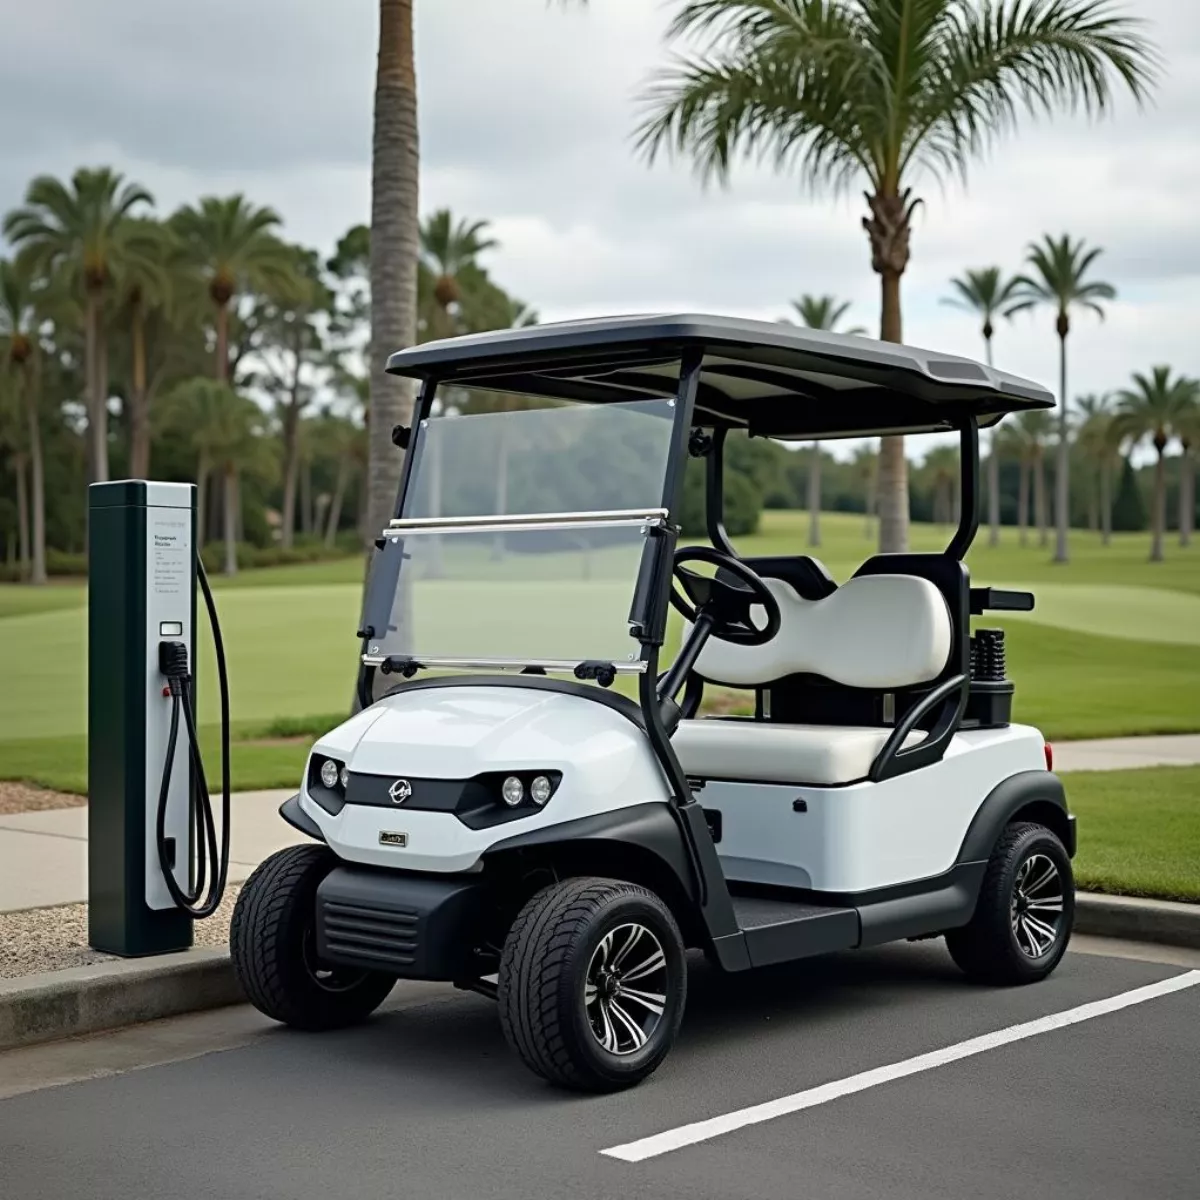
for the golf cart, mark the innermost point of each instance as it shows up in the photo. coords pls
(529, 803)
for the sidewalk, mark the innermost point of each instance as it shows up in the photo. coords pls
(43, 855)
(1119, 754)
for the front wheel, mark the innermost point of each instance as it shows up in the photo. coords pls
(1026, 908)
(592, 984)
(272, 942)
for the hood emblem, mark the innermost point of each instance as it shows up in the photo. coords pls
(400, 791)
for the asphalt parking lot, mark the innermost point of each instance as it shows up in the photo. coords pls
(427, 1101)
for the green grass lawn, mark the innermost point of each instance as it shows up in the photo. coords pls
(1139, 831)
(1112, 648)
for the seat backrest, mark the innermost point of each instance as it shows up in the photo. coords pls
(876, 631)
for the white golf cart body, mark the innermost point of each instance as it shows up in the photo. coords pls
(529, 567)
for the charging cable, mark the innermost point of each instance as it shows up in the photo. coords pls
(203, 897)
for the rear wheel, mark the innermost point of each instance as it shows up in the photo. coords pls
(593, 984)
(272, 941)
(1026, 908)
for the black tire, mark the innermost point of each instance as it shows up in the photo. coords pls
(997, 946)
(553, 961)
(273, 947)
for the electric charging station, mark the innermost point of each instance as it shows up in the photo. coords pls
(154, 861)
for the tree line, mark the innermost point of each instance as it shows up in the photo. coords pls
(199, 345)
(1093, 439)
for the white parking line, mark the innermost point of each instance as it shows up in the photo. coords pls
(703, 1131)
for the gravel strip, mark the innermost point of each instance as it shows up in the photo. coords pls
(24, 797)
(33, 940)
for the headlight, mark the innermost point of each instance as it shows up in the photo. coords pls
(331, 772)
(540, 790)
(513, 791)
(344, 778)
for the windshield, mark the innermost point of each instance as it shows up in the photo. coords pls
(546, 596)
(568, 458)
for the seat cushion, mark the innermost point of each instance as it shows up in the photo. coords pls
(765, 751)
(875, 631)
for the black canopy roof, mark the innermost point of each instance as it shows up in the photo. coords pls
(775, 380)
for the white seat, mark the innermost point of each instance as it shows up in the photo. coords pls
(762, 751)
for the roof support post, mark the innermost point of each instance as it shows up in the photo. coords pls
(968, 518)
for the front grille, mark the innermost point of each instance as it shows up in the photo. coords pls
(369, 937)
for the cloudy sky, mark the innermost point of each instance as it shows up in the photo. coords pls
(526, 113)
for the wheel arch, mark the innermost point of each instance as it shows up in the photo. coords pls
(641, 844)
(1036, 796)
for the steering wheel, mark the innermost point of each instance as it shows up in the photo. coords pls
(726, 603)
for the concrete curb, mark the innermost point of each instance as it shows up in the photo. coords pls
(1136, 920)
(109, 995)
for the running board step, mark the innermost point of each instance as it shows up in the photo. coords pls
(781, 930)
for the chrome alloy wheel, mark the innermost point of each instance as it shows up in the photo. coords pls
(625, 990)
(1036, 909)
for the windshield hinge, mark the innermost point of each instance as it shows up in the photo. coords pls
(400, 664)
(604, 673)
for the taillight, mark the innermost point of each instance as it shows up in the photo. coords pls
(1049, 757)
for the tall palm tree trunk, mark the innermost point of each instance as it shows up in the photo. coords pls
(1039, 497)
(1158, 519)
(814, 495)
(1062, 468)
(893, 466)
(1023, 503)
(394, 249)
(19, 462)
(229, 517)
(139, 408)
(334, 517)
(37, 486)
(888, 231)
(96, 370)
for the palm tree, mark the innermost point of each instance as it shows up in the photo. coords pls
(866, 464)
(883, 91)
(1027, 435)
(19, 356)
(941, 465)
(988, 295)
(448, 248)
(80, 231)
(1095, 439)
(12, 439)
(394, 251)
(232, 244)
(145, 280)
(1187, 426)
(1154, 406)
(819, 312)
(1060, 267)
(395, 239)
(294, 330)
(346, 441)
